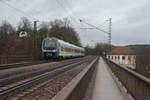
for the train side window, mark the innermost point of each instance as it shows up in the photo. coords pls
(66, 49)
(76, 51)
(69, 49)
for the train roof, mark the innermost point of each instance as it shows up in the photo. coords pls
(65, 43)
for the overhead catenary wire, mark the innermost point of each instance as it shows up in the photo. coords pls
(27, 15)
(18, 10)
(68, 4)
(62, 6)
(99, 26)
(29, 7)
(94, 27)
(73, 14)
(102, 24)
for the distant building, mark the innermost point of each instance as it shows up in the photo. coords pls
(23, 34)
(122, 55)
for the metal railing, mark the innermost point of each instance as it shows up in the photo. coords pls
(13, 59)
(137, 85)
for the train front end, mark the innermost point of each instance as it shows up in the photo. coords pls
(49, 48)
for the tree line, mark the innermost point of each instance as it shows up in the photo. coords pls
(100, 49)
(12, 44)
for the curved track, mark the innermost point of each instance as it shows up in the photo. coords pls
(40, 76)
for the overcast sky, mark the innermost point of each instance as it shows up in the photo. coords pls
(130, 18)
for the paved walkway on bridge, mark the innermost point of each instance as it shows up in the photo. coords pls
(105, 87)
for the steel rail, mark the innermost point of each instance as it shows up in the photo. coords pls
(25, 64)
(23, 76)
(5, 93)
(18, 65)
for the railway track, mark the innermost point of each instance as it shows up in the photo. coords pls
(18, 77)
(15, 84)
(25, 64)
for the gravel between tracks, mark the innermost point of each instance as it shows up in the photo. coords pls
(15, 71)
(48, 89)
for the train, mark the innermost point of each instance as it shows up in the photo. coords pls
(54, 48)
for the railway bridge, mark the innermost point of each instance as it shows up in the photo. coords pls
(87, 78)
(110, 81)
(130, 84)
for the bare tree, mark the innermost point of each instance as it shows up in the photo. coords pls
(61, 29)
(7, 35)
(27, 42)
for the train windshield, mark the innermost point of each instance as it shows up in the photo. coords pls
(49, 44)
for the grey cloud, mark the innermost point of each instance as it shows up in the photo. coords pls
(130, 18)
